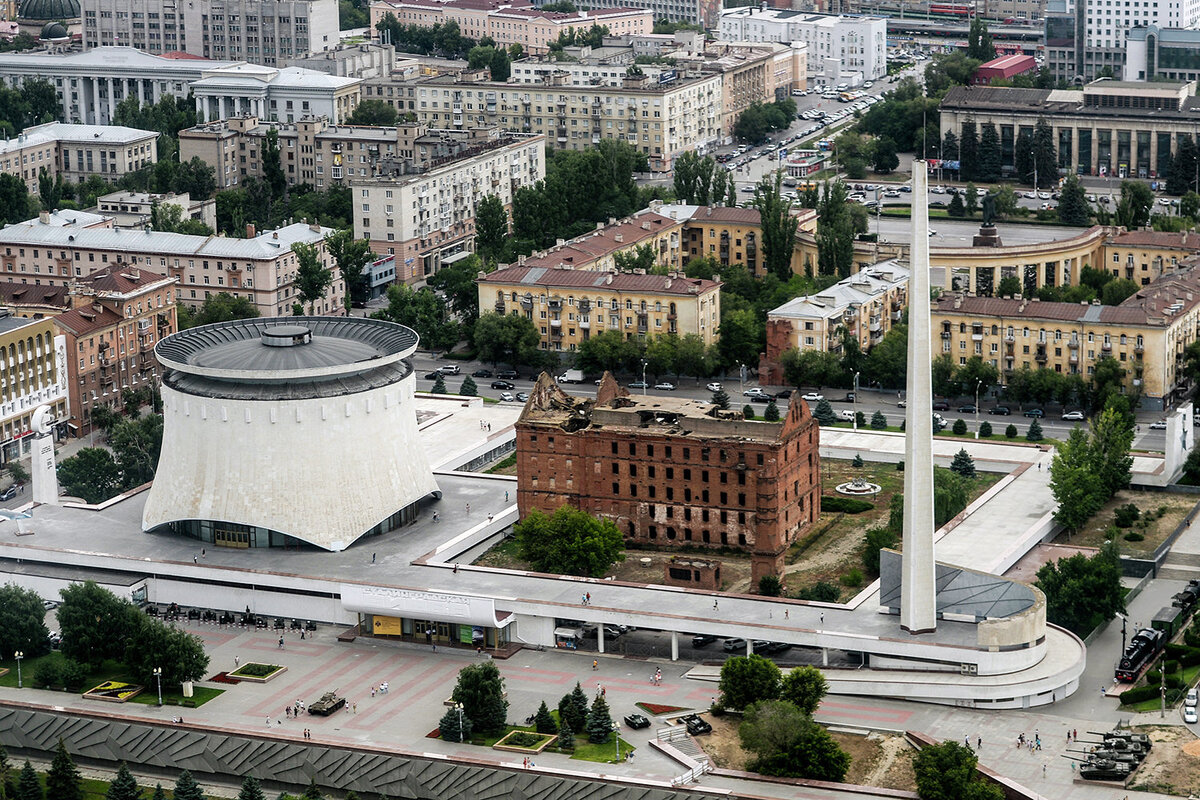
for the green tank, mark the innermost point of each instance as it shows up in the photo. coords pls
(329, 703)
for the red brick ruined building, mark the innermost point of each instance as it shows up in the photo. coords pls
(672, 472)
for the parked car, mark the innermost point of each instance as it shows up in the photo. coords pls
(762, 646)
(695, 725)
(734, 644)
(10, 492)
(665, 386)
(1189, 715)
(783, 394)
(1191, 698)
(507, 397)
(755, 391)
(637, 721)
(49, 605)
(481, 373)
(522, 397)
(715, 386)
(508, 374)
(967, 409)
(502, 385)
(1160, 425)
(703, 640)
(941, 405)
(449, 369)
(1000, 411)
(1074, 416)
(637, 384)
(902, 404)
(1035, 412)
(812, 397)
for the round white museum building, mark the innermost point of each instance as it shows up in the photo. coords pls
(282, 432)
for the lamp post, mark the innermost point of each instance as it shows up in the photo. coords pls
(978, 383)
(458, 708)
(643, 377)
(854, 401)
(158, 679)
(18, 655)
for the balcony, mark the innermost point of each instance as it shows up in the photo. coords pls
(1106, 347)
(946, 334)
(526, 302)
(1073, 357)
(1010, 338)
(585, 306)
(585, 324)
(1073, 344)
(556, 323)
(1041, 357)
(895, 316)
(1139, 348)
(500, 306)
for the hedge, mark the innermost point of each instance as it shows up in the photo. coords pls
(847, 505)
(1131, 696)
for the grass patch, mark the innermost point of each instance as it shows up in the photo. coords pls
(1154, 531)
(255, 670)
(506, 466)
(600, 753)
(109, 671)
(200, 696)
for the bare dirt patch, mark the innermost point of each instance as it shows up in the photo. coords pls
(1173, 765)
(1174, 507)
(877, 759)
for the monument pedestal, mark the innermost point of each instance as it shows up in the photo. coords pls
(988, 236)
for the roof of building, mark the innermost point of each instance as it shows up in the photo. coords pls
(1156, 305)
(267, 245)
(30, 294)
(1009, 62)
(53, 31)
(568, 278)
(69, 218)
(253, 75)
(68, 133)
(48, 9)
(121, 280)
(88, 319)
(591, 247)
(11, 323)
(861, 287)
(105, 60)
(1163, 240)
(1049, 102)
(716, 214)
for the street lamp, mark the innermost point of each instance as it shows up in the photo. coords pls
(854, 401)
(978, 383)
(18, 655)
(158, 678)
(643, 377)
(458, 707)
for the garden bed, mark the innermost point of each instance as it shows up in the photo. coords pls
(114, 692)
(255, 672)
(527, 742)
(659, 710)
(1153, 531)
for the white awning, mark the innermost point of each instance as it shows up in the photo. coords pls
(566, 633)
(414, 604)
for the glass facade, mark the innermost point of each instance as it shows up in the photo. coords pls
(432, 631)
(232, 534)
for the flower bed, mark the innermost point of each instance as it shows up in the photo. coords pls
(525, 742)
(113, 692)
(254, 672)
(658, 710)
(223, 677)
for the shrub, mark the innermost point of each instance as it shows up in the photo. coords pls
(1133, 536)
(1138, 694)
(73, 675)
(1171, 666)
(1126, 515)
(1010, 432)
(853, 579)
(900, 465)
(523, 739)
(769, 586)
(48, 674)
(985, 429)
(877, 539)
(846, 505)
(469, 389)
(878, 421)
(1035, 431)
(771, 412)
(860, 419)
(821, 592)
(857, 461)
(256, 670)
(959, 428)
(748, 411)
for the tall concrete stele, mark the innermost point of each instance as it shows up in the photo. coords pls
(918, 604)
(45, 475)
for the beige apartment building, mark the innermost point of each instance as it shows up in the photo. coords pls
(33, 372)
(261, 268)
(509, 23)
(76, 152)
(570, 305)
(268, 32)
(1147, 334)
(118, 314)
(662, 119)
(420, 205)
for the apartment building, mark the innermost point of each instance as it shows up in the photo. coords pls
(133, 209)
(33, 373)
(865, 306)
(76, 152)
(1144, 256)
(420, 206)
(570, 305)
(261, 268)
(672, 472)
(663, 118)
(118, 314)
(1147, 334)
(33, 302)
(360, 60)
(509, 23)
(704, 13)
(268, 32)
(855, 43)
(731, 235)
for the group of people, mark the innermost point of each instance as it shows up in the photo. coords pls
(656, 678)
(1032, 744)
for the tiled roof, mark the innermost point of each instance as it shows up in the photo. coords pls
(121, 281)
(28, 294)
(593, 246)
(1160, 239)
(591, 279)
(87, 319)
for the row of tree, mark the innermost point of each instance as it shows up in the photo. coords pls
(1093, 465)
(760, 119)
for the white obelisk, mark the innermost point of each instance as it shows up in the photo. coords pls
(918, 608)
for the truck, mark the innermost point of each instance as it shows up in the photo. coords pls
(571, 376)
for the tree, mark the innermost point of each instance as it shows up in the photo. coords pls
(573, 708)
(159, 792)
(570, 542)
(508, 338)
(777, 226)
(351, 256)
(424, 311)
(1076, 486)
(29, 786)
(272, 165)
(313, 278)
(1073, 206)
(791, 745)
(373, 112)
(971, 200)
(543, 722)
(824, 413)
(963, 464)
(947, 772)
(480, 689)
(1181, 177)
(1133, 209)
(1045, 156)
(884, 158)
(877, 539)
(599, 721)
(990, 158)
(878, 421)
(748, 679)
(63, 781)
(196, 179)
(491, 227)
(50, 189)
(22, 622)
(771, 412)
(186, 787)
(15, 203)
(439, 385)
(455, 725)
(638, 258)
(566, 737)
(1010, 432)
(985, 429)
(959, 428)
(1035, 432)
(1081, 592)
(468, 389)
(720, 399)
(1189, 206)
(95, 623)
(91, 474)
(251, 790)
(1009, 286)
(136, 445)
(979, 41)
(956, 207)
(968, 148)
(123, 786)
(835, 231)
(499, 65)
(155, 645)
(770, 586)
(771, 727)
(1117, 291)
(804, 687)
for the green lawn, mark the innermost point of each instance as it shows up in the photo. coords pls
(109, 671)
(584, 750)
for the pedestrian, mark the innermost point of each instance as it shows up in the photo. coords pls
(714, 605)
(280, 642)
(202, 552)
(490, 515)
(195, 560)
(1075, 734)
(436, 516)
(372, 558)
(301, 635)
(237, 661)
(595, 665)
(589, 598)
(355, 708)
(785, 613)
(506, 495)
(455, 568)
(468, 508)
(1043, 770)
(603, 691)
(583, 600)
(287, 711)
(268, 722)
(979, 743)
(1039, 466)
(372, 691)
(967, 742)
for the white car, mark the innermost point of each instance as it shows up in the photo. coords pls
(665, 386)
(1189, 715)
(755, 391)
(812, 397)
(846, 415)
(1190, 700)
(1043, 195)
(1074, 416)
(715, 386)
(1030, 195)
(1161, 425)
(507, 397)
(932, 232)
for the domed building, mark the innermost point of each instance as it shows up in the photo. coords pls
(282, 432)
(54, 32)
(34, 16)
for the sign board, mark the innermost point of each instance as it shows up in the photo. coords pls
(667, 76)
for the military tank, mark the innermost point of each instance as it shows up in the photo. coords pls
(1104, 770)
(327, 704)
